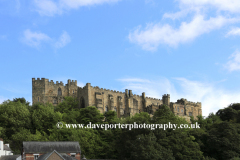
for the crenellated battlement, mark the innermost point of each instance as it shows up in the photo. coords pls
(166, 95)
(47, 91)
(150, 98)
(47, 82)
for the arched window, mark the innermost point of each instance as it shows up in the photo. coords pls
(59, 91)
(115, 109)
(106, 108)
(82, 102)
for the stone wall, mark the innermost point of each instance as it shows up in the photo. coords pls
(124, 103)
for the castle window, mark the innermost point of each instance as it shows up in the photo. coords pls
(38, 99)
(182, 110)
(192, 109)
(59, 91)
(106, 108)
(73, 91)
(190, 113)
(175, 108)
(54, 101)
(115, 109)
(178, 109)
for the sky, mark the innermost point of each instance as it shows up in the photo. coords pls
(186, 48)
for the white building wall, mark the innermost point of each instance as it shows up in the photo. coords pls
(3, 152)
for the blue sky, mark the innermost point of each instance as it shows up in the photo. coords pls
(186, 48)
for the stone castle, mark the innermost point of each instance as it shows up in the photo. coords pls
(124, 103)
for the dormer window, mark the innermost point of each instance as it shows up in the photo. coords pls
(36, 156)
(73, 154)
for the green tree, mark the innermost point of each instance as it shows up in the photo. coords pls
(223, 141)
(181, 143)
(14, 115)
(111, 117)
(25, 135)
(90, 114)
(22, 100)
(69, 104)
(145, 147)
(43, 117)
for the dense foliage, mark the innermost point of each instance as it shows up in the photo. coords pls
(218, 137)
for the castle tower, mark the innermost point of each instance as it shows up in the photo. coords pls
(38, 90)
(166, 99)
(44, 91)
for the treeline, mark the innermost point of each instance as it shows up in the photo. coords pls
(217, 139)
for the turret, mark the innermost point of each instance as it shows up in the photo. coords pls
(126, 93)
(166, 99)
(130, 93)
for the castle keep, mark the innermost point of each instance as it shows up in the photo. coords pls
(124, 103)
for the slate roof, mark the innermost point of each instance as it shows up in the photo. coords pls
(64, 156)
(45, 156)
(67, 157)
(6, 148)
(10, 157)
(45, 147)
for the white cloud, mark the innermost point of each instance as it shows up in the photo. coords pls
(155, 34)
(63, 40)
(51, 8)
(232, 6)
(234, 63)
(47, 7)
(161, 33)
(212, 97)
(34, 38)
(152, 88)
(234, 31)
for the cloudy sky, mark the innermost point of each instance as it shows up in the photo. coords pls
(186, 48)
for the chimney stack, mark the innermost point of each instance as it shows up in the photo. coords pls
(1, 145)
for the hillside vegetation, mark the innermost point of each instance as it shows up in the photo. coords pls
(217, 138)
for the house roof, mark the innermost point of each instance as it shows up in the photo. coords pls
(64, 156)
(6, 148)
(45, 156)
(45, 147)
(10, 157)
(67, 157)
